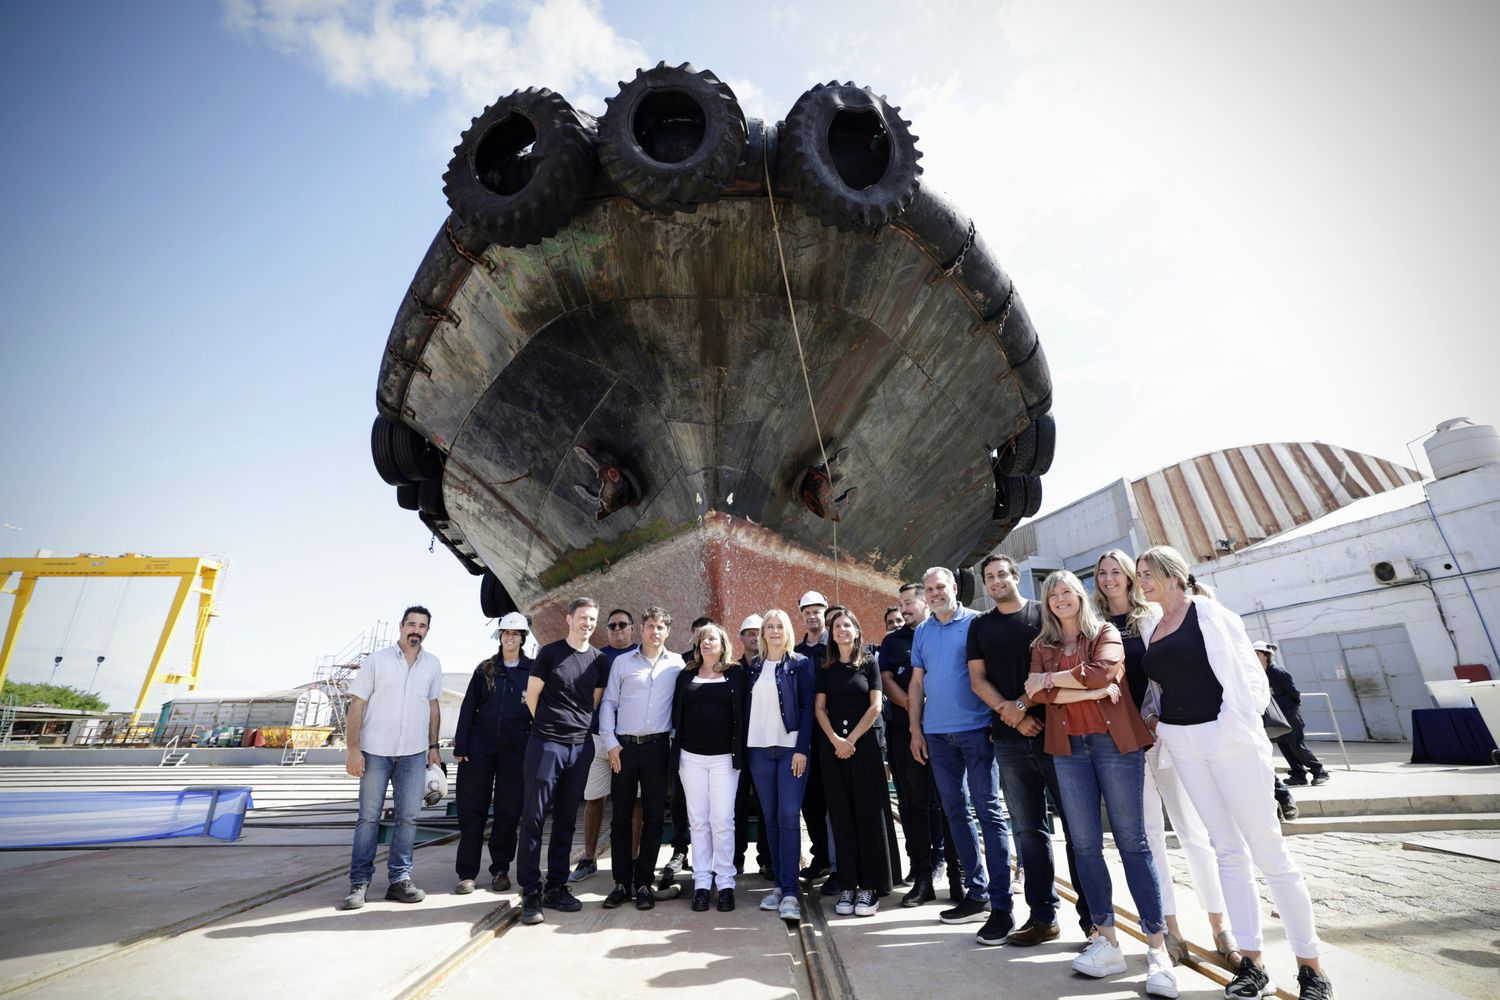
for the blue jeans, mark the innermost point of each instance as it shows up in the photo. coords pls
(1096, 768)
(971, 755)
(781, 804)
(407, 777)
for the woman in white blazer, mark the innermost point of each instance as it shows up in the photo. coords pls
(1213, 692)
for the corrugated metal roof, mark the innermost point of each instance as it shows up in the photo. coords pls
(1241, 496)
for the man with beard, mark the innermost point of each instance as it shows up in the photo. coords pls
(392, 734)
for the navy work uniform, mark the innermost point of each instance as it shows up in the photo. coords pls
(493, 726)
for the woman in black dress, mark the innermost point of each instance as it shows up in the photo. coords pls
(846, 706)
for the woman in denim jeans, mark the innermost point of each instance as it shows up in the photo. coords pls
(1099, 750)
(778, 735)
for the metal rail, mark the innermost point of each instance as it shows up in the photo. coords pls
(1335, 720)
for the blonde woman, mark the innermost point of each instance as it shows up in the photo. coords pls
(708, 716)
(1213, 691)
(1118, 599)
(778, 735)
(1098, 749)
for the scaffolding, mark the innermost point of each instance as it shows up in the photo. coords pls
(333, 672)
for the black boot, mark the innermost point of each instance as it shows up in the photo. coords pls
(921, 890)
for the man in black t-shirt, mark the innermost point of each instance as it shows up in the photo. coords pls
(565, 687)
(999, 655)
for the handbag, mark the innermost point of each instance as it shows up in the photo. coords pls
(1275, 721)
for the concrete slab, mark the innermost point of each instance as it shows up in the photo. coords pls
(1468, 847)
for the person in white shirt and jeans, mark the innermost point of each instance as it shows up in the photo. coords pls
(392, 734)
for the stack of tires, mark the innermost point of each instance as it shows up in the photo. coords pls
(409, 462)
(1019, 467)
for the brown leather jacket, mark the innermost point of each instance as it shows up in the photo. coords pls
(1102, 663)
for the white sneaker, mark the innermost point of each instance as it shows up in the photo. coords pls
(791, 909)
(1161, 981)
(771, 900)
(1100, 959)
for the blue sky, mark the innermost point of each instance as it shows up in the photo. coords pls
(1229, 224)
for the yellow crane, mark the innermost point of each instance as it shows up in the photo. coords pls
(197, 576)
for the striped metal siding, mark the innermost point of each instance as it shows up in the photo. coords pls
(1251, 493)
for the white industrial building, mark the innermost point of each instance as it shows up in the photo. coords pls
(1371, 582)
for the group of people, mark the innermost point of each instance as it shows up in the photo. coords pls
(1143, 698)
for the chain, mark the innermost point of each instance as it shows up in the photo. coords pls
(458, 248)
(963, 252)
(435, 312)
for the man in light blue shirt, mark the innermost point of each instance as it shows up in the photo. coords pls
(950, 731)
(635, 726)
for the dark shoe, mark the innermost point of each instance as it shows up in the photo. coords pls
(356, 897)
(726, 900)
(866, 902)
(1296, 779)
(920, 893)
(765, 872)
(464, 887)
(1250, 982)
(1311, 986)
(1032, 932)
(996, 929)
(531, 908)
(405, 892)
(645, 899)
(966, 912)
(815, 870)
(701, 898)
(1288, 810)
(956, 892)
(1322, 778)
(830, 886)
(586, 868)
(617, 896)
(560, 897)
(845, 906)
(501, 883)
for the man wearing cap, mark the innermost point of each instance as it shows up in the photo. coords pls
(618, 628)
(635, 723)
(814, 646)
(565, 687)
(489, 744)
(746, 802)
(392, 734)
(1293, 745)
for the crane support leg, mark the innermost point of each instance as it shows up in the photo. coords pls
(22, 595)
(184, 588)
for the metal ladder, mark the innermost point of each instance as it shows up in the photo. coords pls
(8, 718)
(334, 672)
(171, 757)
(292, 756)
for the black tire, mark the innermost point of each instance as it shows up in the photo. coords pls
(408, 497)
(1031, 453)
(494, 600)
(848, 156)
(418, 460)
(1018, 497)
(519, 172)
(968, 583)
(430, 499)
(382, 453)
(672, 138)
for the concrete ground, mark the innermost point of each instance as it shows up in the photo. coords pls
(200, 918)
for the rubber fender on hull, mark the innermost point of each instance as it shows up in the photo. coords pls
(494, 600)
(383, 453)
(519, 172)
(1030, 452)
(849, 157)
(672, 138)
(1017, 497)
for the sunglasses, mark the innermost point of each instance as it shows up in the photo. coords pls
(617, 626)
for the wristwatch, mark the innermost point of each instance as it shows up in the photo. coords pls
(1021, 703)
(432, 746)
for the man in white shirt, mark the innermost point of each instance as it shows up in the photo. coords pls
(392, 735)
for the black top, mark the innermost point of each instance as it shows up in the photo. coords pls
(570, 678)
(1135, 651)
(1003, 642)
(494, 714)
(848, 693)
(737, 683)
(1190, 693)
(814, 651)
(895, 659)
(707, 718)
(1284, 690)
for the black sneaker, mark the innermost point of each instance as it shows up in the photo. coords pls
(701, 900)
(1288, 810)
(501, 883)
(726, 900)
(997, 928)
(1296, 779)
(678, 863)
(967, 911)
(816, 870)
(1250, 982)
(356, 897)
(920, 893)
(586, 868)
(531, 908)
(617, 896)
(957, 892)
(1311, 986)
(559, 897)
(830, 886)
(645, 899)
(1322, 778)
(404, 892)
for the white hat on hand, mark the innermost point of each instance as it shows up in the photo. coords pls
(812, 597)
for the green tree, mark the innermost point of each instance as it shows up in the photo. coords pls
(54, 695)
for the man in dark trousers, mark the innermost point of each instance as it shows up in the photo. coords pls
(1293, 745)
(999, 660)
(814, 646)
(565, 687)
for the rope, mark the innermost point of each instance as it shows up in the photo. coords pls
(786, 282)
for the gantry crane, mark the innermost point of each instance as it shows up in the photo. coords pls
(198, 576)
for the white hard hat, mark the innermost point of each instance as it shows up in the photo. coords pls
(436, 789)
(812, 597)
(513, 622)
(752, 622)
(1261, 646)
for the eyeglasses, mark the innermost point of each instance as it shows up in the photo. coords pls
(617, 626)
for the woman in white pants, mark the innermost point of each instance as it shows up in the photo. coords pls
(709, 716)
(1213, 692)
(1119, 600)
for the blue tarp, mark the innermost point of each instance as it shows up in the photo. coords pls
(71, 819)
